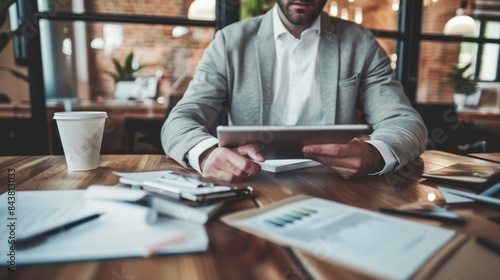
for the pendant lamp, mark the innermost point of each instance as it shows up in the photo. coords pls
(460, 24)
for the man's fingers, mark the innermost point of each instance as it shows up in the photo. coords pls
(335, 150)
(251, 151)
(346, 162)
(228, 165)
(352, 148)
(346, 173)
(243, 166)
(229, 177)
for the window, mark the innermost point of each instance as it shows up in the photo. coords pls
(80, 39)
(480, 47)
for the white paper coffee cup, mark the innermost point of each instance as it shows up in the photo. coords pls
(81, 137)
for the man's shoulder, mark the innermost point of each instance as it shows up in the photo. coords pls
(349, 32)
(243, 28)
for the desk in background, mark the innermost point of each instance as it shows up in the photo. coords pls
(489, 115)
(234, 254)
(485, 119)
(115, 134)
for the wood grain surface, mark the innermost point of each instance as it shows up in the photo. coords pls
(233, 254)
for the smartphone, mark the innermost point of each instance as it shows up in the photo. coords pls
(200, 194)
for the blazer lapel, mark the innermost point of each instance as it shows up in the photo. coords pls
(329, 52)
(265, 54)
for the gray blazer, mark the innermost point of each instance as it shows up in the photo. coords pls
(236, 73)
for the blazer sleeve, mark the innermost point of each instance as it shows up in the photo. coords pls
(387, 109)
(200, 105)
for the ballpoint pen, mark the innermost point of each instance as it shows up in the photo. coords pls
(442, 216)
(488, 244)
(36, 239)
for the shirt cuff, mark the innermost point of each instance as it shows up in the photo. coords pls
(194, 154)
(387, 155)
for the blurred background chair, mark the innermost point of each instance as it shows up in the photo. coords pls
(144, 135)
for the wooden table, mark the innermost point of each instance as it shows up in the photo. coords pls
(234, 254)
(488, 115)
(495, 157)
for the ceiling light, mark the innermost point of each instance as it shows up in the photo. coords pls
(179, 31)
(460, 24)
(202, 10)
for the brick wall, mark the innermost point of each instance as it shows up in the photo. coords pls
(152, 45)
(436, 57)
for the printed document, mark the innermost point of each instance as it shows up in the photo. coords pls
(377, 244)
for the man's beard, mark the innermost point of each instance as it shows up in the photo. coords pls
(304, 18)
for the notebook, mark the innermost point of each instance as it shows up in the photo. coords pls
(472, 175)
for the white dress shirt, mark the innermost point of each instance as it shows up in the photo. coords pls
(296, 88)
(296, 76)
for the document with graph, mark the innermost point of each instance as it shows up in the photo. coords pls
(369, 242)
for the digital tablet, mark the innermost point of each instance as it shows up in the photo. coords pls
(286, 142)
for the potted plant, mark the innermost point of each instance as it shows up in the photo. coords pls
(464, 85)
(124, 76)
(5, 37)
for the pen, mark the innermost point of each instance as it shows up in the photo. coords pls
(36, 239)
(488, 244)
(426, 215)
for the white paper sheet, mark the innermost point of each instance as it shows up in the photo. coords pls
(385, 246)
(282, 165)
(120, 232)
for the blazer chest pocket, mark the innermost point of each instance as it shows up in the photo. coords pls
(350, 82)
(348, 90)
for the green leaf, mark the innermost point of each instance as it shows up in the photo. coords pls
(124, 72)
(119, 69)
(459, 82)
(128, 69)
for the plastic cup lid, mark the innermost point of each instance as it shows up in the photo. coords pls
(80, 115)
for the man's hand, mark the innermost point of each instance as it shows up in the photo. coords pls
(231, 165)
(351, 160)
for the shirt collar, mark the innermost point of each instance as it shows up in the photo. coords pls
(279, 27)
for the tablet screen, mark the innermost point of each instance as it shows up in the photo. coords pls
(286, 142)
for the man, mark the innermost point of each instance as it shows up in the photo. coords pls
(294, 65)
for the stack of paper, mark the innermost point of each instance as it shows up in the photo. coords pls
(122, 231)
(282, 165)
